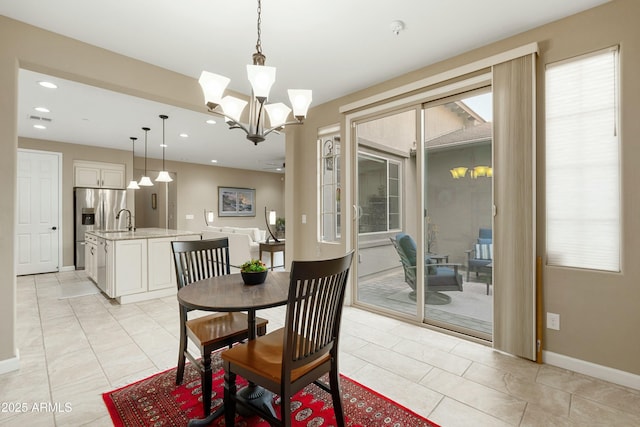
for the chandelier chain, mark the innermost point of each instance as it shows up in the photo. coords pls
(259, 42)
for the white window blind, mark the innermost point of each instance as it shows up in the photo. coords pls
(583, 163)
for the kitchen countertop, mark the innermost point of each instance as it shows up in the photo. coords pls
(140, 233)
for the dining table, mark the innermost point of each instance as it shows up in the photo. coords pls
(228, 293)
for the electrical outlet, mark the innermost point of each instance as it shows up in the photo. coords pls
(304, 218)
(553, 321)
(189, 216)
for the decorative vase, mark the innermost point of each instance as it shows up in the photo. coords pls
(254, 277)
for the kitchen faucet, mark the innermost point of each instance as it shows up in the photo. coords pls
(129, 226)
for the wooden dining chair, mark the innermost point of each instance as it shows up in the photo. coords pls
(197, 260)
(290, 358)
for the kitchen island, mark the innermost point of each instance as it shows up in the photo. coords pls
(132, 266)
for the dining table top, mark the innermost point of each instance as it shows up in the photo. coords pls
(229, 293)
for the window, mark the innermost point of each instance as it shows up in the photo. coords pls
(379, 196)
(583, 162)
(329, 146)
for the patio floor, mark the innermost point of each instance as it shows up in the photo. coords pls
(472, 308)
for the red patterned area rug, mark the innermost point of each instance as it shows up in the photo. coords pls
(157, 401)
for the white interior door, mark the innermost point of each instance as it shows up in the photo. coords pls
(38, 211)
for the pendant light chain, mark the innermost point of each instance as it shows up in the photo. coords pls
(145, 181)
(163, 117)
(133, 150)
(145, 149)
(259, 42)
(133, 184)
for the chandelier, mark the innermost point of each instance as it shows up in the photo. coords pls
(261, 78)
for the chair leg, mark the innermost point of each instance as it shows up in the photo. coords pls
(181, 357)
(468, 270)
(230, 390)
(205, 380)
(285, 409)
(334, 382)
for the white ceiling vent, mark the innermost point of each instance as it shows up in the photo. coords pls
(40, 119)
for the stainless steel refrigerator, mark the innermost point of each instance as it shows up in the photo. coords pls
(96, 209)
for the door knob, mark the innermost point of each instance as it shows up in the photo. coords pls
(54, 228)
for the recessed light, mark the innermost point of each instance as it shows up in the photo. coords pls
(211, 122)
(39, 126)
(214, 161)
(184, 135)
(48, 85)
(42, 109)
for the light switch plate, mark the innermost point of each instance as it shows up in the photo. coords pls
(189, 216)
(553, 321)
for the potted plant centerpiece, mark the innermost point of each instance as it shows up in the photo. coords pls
(254, 272)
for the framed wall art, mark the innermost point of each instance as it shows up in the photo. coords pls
(234, 201)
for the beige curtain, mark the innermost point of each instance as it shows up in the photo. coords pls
(514, 199)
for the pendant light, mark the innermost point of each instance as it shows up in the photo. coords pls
(163, 176)
(133, 184)
(145, 181)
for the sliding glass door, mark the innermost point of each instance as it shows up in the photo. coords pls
(458, 225)
(386, 177)
(430, 202)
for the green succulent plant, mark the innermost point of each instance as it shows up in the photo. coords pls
(253, 266)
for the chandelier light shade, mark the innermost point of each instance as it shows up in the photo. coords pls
(163, 176)
(145, 181)
(133, 184)
(213, 86)
(458, 172)
(262, 79)
(474, 173)
(481, 170)
(277, 113)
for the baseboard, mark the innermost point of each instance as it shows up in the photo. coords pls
(68, 268)
(143, 296)
(9, 365)
(615, 376)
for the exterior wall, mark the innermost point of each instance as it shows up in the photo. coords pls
(599, 311)
(440, 120)
(458, 207)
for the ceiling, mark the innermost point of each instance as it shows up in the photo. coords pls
(333, 47)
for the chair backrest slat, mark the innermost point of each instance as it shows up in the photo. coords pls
(316, 295)
(200, 259)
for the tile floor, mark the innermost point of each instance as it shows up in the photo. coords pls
(72, 350)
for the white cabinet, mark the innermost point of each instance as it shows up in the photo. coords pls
(109, 266)
(162, 270)
(129, 262)
(134, 266)
(98, 174)
(91, 257)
